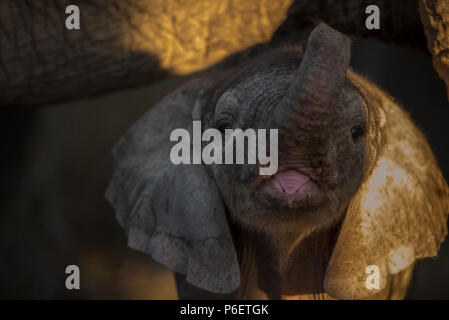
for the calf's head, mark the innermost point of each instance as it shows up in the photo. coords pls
(322, 123)
(346, 152)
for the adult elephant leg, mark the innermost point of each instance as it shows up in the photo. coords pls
(435, 18)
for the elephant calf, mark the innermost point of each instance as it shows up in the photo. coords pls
(357, 186)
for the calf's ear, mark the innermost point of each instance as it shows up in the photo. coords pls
(173, 212)
(399, 213)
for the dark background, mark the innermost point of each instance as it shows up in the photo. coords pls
(56, 164)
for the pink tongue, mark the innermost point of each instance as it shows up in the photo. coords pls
(291, 180)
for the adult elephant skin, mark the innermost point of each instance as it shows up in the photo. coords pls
(126, 43)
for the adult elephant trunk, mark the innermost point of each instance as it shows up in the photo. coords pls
(123, 44)
(304, 114)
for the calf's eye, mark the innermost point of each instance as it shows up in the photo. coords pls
(357, 132)
(223, 125)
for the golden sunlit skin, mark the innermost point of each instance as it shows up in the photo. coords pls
(402, 207)
(435, 18)
(130, 42)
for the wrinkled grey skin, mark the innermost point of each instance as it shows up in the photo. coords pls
(224, 227)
